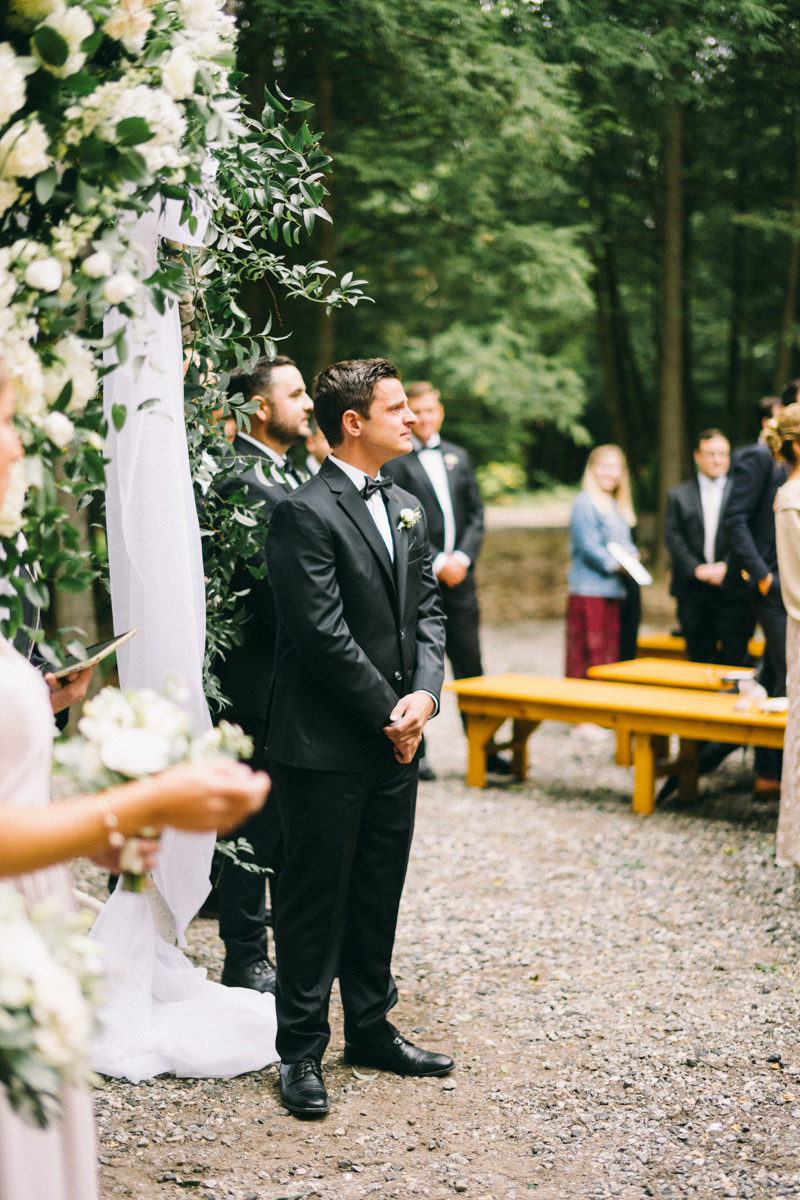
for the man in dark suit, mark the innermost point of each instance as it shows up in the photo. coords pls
(358, 671)
(440, 474)
(266, 474)
(750, 526)
(713, 604)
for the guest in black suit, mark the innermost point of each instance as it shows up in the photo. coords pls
(266, 474)
(440, 475)
(358, 671)
(750, 526)
(713, 604)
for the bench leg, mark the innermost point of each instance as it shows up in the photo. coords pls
(521, 732)
(644, 773)
(687, 772)
(480, 731)
(624, 756)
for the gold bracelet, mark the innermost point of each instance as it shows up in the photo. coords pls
(110, 822)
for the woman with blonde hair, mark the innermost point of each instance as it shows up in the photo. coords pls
(782, 435)
(602, 513)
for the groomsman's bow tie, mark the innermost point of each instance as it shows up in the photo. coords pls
(371, 486)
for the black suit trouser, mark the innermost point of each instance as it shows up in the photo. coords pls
(242, 894)
(711, 616)
(347, 837)
(462, 640)
(771, 615)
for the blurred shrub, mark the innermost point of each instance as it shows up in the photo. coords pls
(498, 480)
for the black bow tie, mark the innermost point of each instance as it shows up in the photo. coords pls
(371, 486)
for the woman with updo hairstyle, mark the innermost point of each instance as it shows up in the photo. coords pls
(782, 435)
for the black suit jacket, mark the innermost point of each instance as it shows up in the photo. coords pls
(749, 521)
(355, 632)
(684, 536)
(466, 499)
(246, 671)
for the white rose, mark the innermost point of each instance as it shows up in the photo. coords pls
(24, 368)
(135, 752)
(8, 194)
(178, 74)
(129, 23)
(120, 287)
(12, 83)
(59, 429)
(44, 274)
(199, 14)
(74, 361)
(23, 150)
(11, 518)
(97, 265)
(74, 24)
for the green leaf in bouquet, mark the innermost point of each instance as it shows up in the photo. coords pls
(36, 593)
(132, 131)
(118, 415)
(131, 165)
(51, 47)
(92, 43)
(46, 185)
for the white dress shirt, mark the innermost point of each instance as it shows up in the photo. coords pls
(711, 492)
(279, 460)
(312, 466)
(433, 464)
(375, 504)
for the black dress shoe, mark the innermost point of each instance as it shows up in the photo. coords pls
(497, 765)
(400, 1056)
(259, 976)
(426, 773)
(302, 1089)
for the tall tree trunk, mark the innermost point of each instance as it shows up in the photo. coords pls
(325, 237)
(672, 436)
(609, 356)
(75, 610)
(734, 334)
(784, 362)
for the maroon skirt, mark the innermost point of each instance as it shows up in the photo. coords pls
(592, 633)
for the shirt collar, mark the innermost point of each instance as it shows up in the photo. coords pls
(717, 484)
(433, 442)
(353, 474)
(273, 454)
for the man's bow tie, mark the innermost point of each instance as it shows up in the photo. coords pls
(371, 486)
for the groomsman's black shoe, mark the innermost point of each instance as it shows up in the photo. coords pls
(302, 1089)
(497, 765)
(426, 773)
(258, 976)
(400, 1056)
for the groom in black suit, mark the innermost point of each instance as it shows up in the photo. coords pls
(358, 671)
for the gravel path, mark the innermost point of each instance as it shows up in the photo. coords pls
(620, 994)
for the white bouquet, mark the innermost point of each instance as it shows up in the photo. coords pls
(130, 735)
(49, 983)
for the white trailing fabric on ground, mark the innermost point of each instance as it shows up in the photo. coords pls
(162, 1014)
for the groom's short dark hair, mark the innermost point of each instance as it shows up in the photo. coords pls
(258, 381)
(347, 385)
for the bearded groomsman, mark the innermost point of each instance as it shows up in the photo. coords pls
(358, 671)
(440, 474)
(265, 472)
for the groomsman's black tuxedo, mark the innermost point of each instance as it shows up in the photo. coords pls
(355, 633)
(246, 678)
(460, 603)
(709, 615)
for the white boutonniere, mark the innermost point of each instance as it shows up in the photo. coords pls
(450, 460)
(409, 517)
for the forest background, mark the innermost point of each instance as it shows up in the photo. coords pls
(580, 219)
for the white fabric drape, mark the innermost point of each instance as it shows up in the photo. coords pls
(161, 1014)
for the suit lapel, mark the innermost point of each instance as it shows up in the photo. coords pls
(357, 511)
(400, 538)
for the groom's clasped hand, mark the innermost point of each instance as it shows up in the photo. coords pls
(408, 719)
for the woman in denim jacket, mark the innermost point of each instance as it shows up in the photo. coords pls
(602, 513)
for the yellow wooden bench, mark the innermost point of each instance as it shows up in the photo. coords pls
(668, 645)
(667, 672)
(644, 714)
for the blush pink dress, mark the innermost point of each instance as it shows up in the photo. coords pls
(59, 1163)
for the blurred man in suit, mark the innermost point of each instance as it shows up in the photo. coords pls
(713, 604)
(750, 526)
(263, 469)
(317, 447)
(440, 475)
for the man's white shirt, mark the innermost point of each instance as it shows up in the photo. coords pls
(278, 459)
(711, 493)
(375, 504)
(433, 464)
